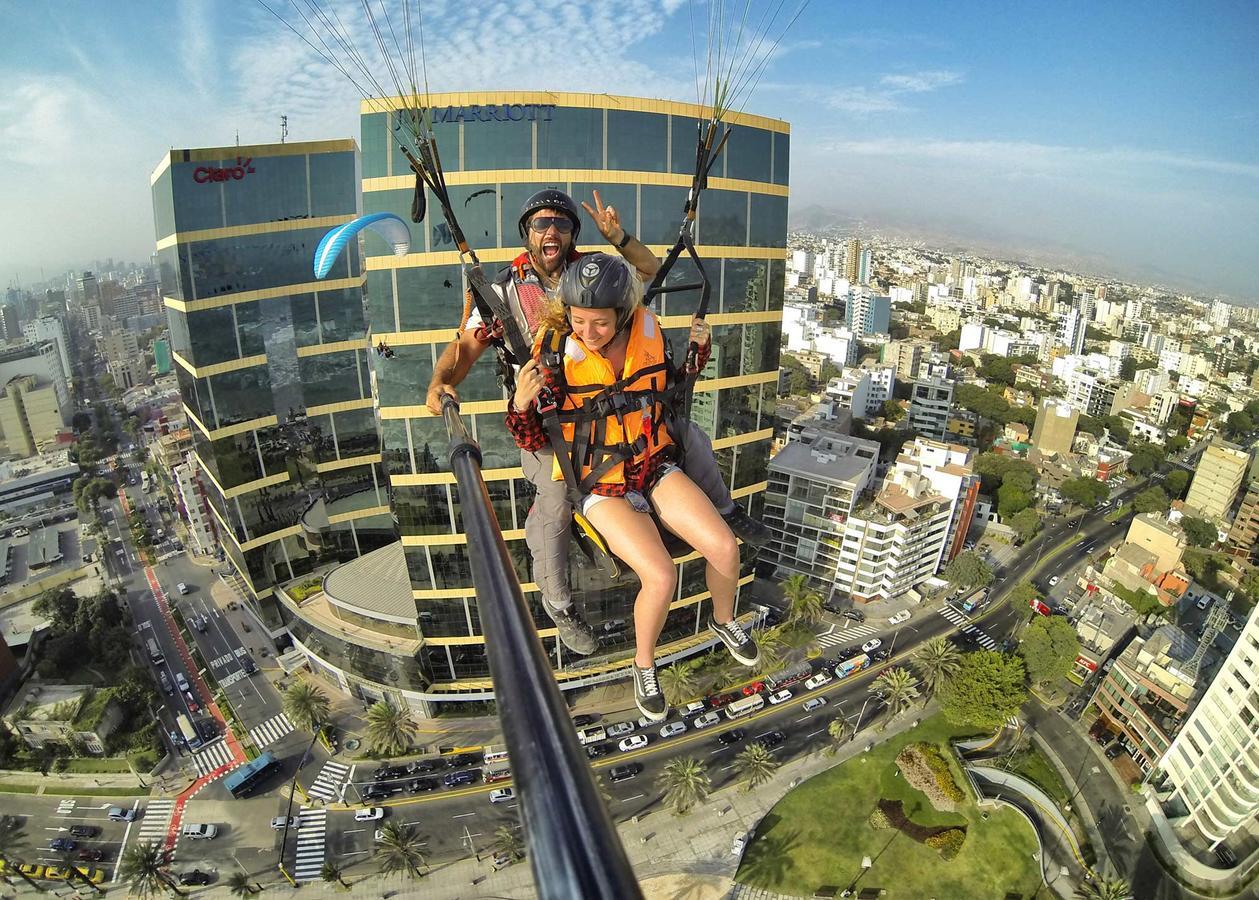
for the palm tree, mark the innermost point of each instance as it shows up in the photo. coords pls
(899, 688)
(755, 763)
(773, 649)
(306, 705)
(390, 730)
(937, 660)
(806, 609)
(836, 730)
(794, 587)
(507, 840)
(331, 873)
(141, 866)
(1099, 887)
(398, 850)
(685, 783)
(12, 841)
(678, 682)
(238, 884)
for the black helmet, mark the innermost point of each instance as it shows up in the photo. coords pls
(550, 199)
(600, 281)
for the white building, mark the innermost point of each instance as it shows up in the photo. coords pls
(48, 328)
(1071, 331)
(195, 505)
(930, 405)
(851, 391)
(1212, 767)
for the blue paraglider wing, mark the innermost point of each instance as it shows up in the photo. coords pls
(387, 225)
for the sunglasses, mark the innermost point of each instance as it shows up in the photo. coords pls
(563, 224)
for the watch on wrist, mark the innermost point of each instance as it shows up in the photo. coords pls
(626, 237)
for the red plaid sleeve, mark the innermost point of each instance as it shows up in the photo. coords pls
(526, 425)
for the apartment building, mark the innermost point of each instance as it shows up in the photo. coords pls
(1054, 430)
(1217, 480)
(930, 405)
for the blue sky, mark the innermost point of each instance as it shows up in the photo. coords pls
(1119, 137)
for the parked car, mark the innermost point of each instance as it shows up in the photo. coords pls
(672, 729)
(731, 737)
(694, 708)
(779, 697)
(387, 773)
(91, 854)
(855, 615)
(716, 701)
(872, 644)
(633, 742)
(1053, 579)
(420, 785)
(620, 729)
(459, 779)
(460, 760)
(902, 616)
(196, 876)
(624, 772)
(376, 792)
(706, 720)
(502, 795)
(63, 844)
(585, 719)
(120, 814)
(370, 814)
(422, 767)
(594, 751)
(279, 823)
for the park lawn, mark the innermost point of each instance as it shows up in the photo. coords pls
(818, 833)
(89, 765)
(1033, 766)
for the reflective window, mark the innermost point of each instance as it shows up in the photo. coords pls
(747, 153)
(637, 141)
(305, 319)
(417, 569)
(723, 217)
(498, 145)
(393, 447)
(624, 197)
(777, 279)
(331, 377)
(179, 339)
(274, 192)
(744, 286)
(752, 466)
(760, 347)
(341, 315)
(572, 139)
(259, 261)
(241, 396)
(782, 157)
(236, 460)
(422, 509)
(727, 351)
(361, 661)
(397, 202)
(446, 135)
(429, 297)
(249, 324)
(476, 207)
(198, 205)
(768, 221)
(402, 380)
(356, 432)
(375, 138)
(443, 617)
(738, 410)
(501, 500)
(684, 271)
(660, 213)
(498, 449)
(334, 184)
(163, 205)
(213, 336)
(682, 154)
(430, 440)
(450, 566)
(379, 291)
(169, 266)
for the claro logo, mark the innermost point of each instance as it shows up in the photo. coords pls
(206, 174)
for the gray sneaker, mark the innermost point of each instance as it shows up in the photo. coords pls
(575, 634)
(647, 694)
(737, 641)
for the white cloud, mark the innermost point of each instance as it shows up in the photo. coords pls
(887, 94)
(920, 82)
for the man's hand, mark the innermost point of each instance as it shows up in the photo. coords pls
(434, 400)
(528, 385)
(701, 332)
(606, 220)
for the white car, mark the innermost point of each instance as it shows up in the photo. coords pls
(633, 742)
(740, 841)
(813, 703)
(817, 681)
(371, 814)
(872, 644)
(502, 795)
(901, 616)
(780, 697)
(707, 719)
(1054, 580)
(620, 729)
(671, 729)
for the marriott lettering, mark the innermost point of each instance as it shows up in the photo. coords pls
(498, 112)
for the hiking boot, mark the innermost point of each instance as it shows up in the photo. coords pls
(737, 641)
(647, 694)
(574, 633)
(747, 529)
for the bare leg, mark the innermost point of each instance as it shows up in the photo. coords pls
(687, 512)
(632, 536)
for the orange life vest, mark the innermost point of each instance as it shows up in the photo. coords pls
(608, 420)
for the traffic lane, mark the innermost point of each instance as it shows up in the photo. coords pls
(47, 819)
(224, 651)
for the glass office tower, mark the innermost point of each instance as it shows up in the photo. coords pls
(272, 365)
(497, 149)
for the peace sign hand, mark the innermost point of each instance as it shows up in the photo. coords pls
(606, 220)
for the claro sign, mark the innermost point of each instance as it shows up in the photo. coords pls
(207, 174)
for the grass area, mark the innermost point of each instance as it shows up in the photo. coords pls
(69, 790)
(88, 765)
(1033, 766)
(802, 844)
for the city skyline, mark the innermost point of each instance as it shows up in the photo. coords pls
(1106, 148)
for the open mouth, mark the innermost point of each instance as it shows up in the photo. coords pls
(550, 250)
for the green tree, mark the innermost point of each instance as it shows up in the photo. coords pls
(1025, 523)
(755, 764)
(507, 841)
(967, 570)
(1151, 500)
(1083, 491)
(1176, 482)
(836, 731)
(14, 841)
(1012, 500)
(390, 730)
(678, 682)
(773, 647)
(1238, 424)
(1143, 460)
(1049, 649)
(685, 784)
(1177, 443)
(987, 689)
(805, 605)
(1127, 368)
(398, 850)
(306, 705)
(997, 368)
(899, 687)
(893, 411)
(240, 885)
(1022, 594)
(1103, 887)
(937, 661)
(142, 866)
(1199, 532)
(330, 872)
(799, 382)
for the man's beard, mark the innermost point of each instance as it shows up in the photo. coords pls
(551, 267)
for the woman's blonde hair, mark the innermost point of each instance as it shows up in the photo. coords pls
(555, 316)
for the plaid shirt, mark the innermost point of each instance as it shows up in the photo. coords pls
(640, 474)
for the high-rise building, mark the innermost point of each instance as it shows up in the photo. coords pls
(31, 416)
(418, 638)
(868, 314)
(49, 328)
(273, 366)
(906, 356)
(89, 291)
(1054, 430)
(1218, 477)
(930, 405)
(1071, 328)
(1220, 314)
(10, 322)
(194, 502)
(1243, 536)
(1212, 768)
(40, 359)
(852, 261)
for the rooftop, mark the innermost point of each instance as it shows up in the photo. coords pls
(375, 583)
(39, 465)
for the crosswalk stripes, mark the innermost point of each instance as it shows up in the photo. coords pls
(328, 782)
(1012, 722)
(835, 638)
(152, 826)
(962, 621)
(207, 759)
(953, 614)
(312, 825)
(271, 730)
(65, 807)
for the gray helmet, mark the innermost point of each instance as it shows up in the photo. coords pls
(600, 281)
(550, 199)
